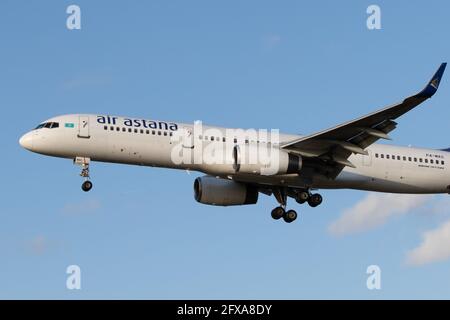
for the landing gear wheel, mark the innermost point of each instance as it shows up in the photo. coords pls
(83, 162)
(290, 216)
(278, 213)
(302, 197)
(315, 200)
(86, 186)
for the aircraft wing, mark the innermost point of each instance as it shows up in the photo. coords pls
(331, 148)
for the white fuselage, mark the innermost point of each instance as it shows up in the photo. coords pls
(151, 143)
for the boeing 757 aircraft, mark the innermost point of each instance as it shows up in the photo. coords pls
(240, 164)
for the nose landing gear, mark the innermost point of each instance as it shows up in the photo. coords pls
(84, 163)
(86, 186)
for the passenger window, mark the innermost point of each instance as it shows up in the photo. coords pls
(393, 157)
(117, 129)
(171, 133)
(442, 162)
(124, 130)
(142, 131)
(382, 156)
(426, 160)
(147, 131)
(431, 161)
(153, 132)
(409, 159)
(223, 139)
(135, 130)
(129, 130)
(376, 155)
(212, 138)
(235, 140)
(387, 156)
(105, 127)
(398, 158)
(246, 141)
(159, 133)
(420, 159)
(165, 133)
(111, 128)
(404, 158)
(415, 159)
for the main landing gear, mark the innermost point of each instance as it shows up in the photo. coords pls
(313, 199)
(280, 212)
(288, 216)
(84, 163)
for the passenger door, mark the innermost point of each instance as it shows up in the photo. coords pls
(188, 138)
(83, 127)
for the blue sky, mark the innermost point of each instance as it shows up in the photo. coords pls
(299, 67)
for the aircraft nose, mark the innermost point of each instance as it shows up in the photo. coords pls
(26, 141)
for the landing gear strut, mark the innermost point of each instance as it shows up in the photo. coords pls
(84, 163)
(280, 212)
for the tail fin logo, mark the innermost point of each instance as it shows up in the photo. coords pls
(435, 83)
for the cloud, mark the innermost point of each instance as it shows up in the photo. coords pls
(435, 247)
(374, 210)
(85, 207)
(39, 245)
(271, 40)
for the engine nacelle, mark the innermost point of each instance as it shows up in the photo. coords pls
(222, 192)
(264, 160)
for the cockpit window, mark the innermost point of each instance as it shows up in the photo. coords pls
(48, 125)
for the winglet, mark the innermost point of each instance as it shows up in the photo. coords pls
(433, 85)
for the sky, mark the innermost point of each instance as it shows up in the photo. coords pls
(295, 66)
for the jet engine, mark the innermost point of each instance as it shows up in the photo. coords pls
(264, 160)
(222, 192)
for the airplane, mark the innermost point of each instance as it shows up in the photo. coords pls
(344, 156)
